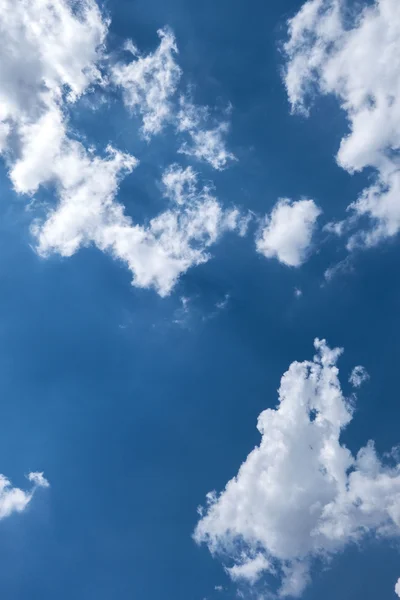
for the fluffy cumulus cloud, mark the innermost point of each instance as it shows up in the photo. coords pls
(354, 54)
(397, 588)
(301, 495)
(287, 232)
(53, 53)
(13, 499)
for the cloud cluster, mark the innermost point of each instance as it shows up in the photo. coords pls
(287, 232)
(53, 53)
(353, 53)
(13, 499)
(301, 495)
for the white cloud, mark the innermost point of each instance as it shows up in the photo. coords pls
(149, 82)
(47, 45)
(38, 479)
(206, 144)
(355, 56)
(13, 499)
(156, 254)
(287, 231)
(250, 569)
(51, 56)
(397, 588)
(179, 183)
(358, 376)
(301, 495)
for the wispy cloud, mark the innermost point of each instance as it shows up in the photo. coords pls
(149, 82)
(55, 54)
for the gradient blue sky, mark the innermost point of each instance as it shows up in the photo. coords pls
(134, 406)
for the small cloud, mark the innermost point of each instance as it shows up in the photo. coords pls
(243, 224)
(287, 232)
(397, 588)
(335, 227)
(207, 144)
(223, 303)
(13, 499)
(38, 479)
(342, 267)
(181, 315)
(250, 570)
(218, 588)
(298, 292)
(358, 376)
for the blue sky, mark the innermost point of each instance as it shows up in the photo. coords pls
(154, 293)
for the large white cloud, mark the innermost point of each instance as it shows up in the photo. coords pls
(301, 495)
(13, 499)
(354, 54)
(286, 233)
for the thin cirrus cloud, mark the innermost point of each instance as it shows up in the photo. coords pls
(286, 233)
(66, 58)
(301, 496)
(13, 499)
(353, 53)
